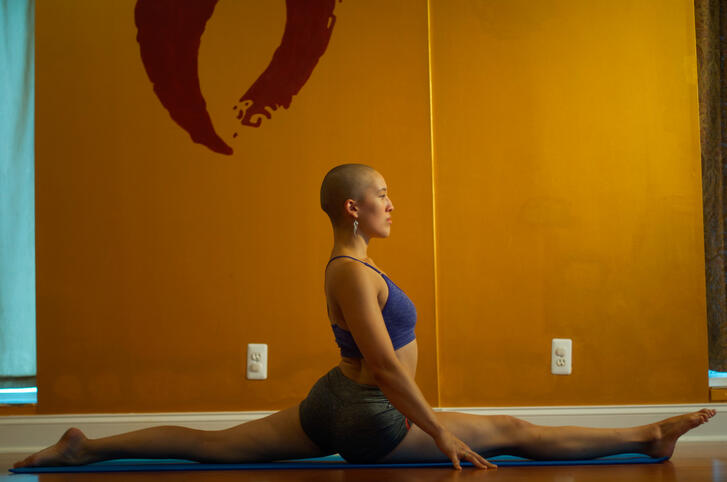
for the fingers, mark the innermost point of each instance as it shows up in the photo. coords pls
(455, 461)
(475, 459)
(456, 450)
(480, 462)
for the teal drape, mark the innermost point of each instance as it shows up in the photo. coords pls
(17, 223)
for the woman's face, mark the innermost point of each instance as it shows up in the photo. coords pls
(375, 209)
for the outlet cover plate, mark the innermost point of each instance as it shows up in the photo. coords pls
(561, 356)
(257, 361)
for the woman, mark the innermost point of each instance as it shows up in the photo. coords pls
(369, 407)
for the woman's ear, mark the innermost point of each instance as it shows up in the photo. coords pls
(351, 206)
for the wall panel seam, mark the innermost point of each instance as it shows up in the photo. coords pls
(434, 205)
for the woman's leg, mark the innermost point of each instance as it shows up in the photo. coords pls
(275, 437)
(496, 435)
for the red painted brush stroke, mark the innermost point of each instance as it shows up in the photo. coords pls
(169, 33)
(307, 32)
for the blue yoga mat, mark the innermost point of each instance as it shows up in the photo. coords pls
(331, 462)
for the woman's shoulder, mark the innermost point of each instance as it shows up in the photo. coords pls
(367, 263)
(345, 267)
(350, 272)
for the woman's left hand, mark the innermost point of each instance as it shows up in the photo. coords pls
(457, 450)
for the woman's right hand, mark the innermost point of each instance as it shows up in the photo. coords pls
(457, 450)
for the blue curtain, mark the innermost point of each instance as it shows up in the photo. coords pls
(17, 207)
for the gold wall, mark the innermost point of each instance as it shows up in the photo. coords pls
(159, 260)
(569, 203)
(563, 188)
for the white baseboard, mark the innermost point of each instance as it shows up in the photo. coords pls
(26, 434)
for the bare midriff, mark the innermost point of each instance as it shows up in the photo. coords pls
(358, 370)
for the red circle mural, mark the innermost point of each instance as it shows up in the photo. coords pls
(169, 34)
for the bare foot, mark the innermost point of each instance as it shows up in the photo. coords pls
(669, 430)
(70, 450)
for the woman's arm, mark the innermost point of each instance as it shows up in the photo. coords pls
(354, 290)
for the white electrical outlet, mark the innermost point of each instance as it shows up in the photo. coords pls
(561, 356)
(257, 361)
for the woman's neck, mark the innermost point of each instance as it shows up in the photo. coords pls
(346, 244)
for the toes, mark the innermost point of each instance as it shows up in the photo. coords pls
(705, 414)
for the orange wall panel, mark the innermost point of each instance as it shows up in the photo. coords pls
(567, 178)
(159, 260)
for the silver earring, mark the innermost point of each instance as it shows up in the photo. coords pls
(355, 227)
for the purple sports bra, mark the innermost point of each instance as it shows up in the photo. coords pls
(400, 317)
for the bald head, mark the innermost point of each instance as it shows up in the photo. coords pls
(348, 181)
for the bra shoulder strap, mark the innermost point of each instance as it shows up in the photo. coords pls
(345, 256)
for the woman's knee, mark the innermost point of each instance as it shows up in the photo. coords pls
(518, 423)
(514, 428)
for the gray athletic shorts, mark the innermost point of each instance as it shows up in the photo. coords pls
(357, 421)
